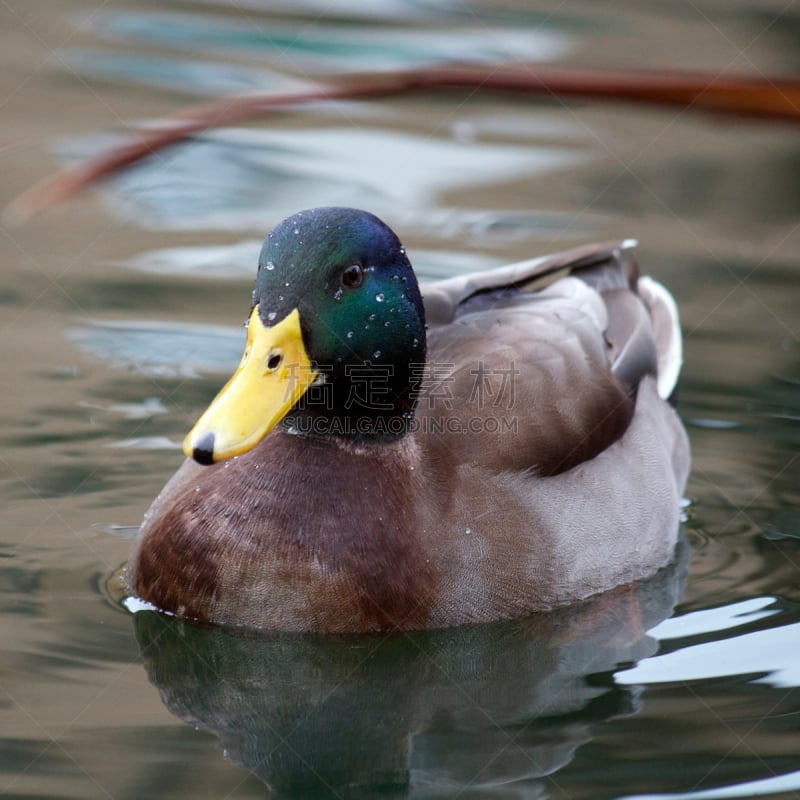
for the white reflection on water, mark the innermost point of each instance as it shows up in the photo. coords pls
(771, 653)
(164, 349)
(206, 261)
(778, 783)
(146, 443)
(149, 407)
(714, 619)
(239, 260)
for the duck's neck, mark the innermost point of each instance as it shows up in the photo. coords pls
(361, 402)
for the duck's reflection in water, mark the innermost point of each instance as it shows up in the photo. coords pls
(482, 709)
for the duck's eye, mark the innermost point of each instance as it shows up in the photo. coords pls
(274, 361)
(353, 276)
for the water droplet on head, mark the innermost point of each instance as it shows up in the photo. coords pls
(371, 317)
(402, 251)
(337, 295)
(376, 354)
(271, 316)
(296, 231)
(349, 334)
(269, 265)
(379, 297)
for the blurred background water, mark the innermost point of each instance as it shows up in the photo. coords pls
(121, 313)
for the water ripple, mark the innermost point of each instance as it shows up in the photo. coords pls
(244, 179)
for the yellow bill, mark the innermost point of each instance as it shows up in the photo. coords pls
(273, 375)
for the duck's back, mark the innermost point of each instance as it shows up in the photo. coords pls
(552, 373)
(526, 384)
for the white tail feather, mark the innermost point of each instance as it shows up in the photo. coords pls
(667, 327)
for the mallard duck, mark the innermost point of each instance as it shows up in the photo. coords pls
(390, 456)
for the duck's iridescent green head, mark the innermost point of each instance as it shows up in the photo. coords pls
(336, 339)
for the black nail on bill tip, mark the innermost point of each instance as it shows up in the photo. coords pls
(203, 452)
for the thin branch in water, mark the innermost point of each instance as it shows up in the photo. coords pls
(743, 96)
